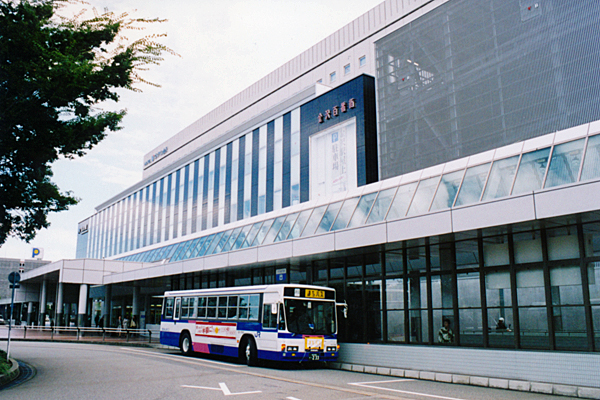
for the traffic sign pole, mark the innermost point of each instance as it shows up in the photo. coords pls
(14, 278)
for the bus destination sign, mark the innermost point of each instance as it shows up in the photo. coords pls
(315, 294)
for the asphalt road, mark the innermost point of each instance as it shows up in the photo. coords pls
(102, 372)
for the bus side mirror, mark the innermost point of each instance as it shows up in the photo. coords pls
(345, 310)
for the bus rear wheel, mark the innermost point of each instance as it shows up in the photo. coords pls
(185, 344)
(249, 353)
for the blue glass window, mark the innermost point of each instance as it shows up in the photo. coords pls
(198, 247)
(299, 225)
(565, 163)
(472, 186)
(260, 236)
(423, 196)
(274, 230)
(329, 217)
(214, 243)
(362, 210)
(252, 234)
(501, 178)
(286, 227)
(205, 245)
(222, 242)
(232, 238)
(314, 220)
(241, 238)
(532, 169)
(591, 164)
(401, 201)
(381, 205)
(446, 193)
(345, 214)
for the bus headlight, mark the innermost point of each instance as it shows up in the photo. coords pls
(292, 348)
(331, 348)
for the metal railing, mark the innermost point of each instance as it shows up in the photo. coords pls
(86, 333)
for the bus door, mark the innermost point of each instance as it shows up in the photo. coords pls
(267, 340)
(177, 311)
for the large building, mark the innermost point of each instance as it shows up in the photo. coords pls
(430, 160)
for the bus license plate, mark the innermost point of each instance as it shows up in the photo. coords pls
(313, 357)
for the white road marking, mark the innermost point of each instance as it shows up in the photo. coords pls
(292, 398)
(222, 387)
(368, 385)
(199, 387)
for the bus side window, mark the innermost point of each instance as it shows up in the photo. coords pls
(177, 308)
(253, 311)
(269, 319)
(169, 302)
(211, 307)
(281, 325)
(201, 307)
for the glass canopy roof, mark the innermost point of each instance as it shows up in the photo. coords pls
(546, 167)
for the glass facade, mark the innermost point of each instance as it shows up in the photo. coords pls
(497, 287)
(472, 75)
(462, 187)
(212, 191)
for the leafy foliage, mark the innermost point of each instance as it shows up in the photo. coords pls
(54, 71)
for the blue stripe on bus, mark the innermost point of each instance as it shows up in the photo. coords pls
(169, 338)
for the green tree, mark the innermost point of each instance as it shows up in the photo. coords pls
(54, 73)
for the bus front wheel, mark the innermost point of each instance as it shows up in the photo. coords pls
(185, 344)
(249, 352)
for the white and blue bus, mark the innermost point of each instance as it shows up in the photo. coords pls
(284, 322)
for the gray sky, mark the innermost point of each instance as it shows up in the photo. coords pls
(225, 46)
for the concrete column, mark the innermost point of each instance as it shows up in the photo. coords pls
(135, 306)
(30, 313)
(82, 305)
(106, 308)
(59, 304)
(43, 292)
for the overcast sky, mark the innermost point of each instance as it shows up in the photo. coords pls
(225, 46)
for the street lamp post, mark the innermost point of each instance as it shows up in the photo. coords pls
(14, 278)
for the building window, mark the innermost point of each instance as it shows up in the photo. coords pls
(332, 77)
(346, 69)
(362, 61)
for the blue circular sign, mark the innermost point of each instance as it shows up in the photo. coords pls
(14, 277)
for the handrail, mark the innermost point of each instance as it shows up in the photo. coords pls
(66, 332)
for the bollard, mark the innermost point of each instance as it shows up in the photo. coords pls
(103, 334)
(127, 335)
(78, 330)
(149, 336)
(25, 332)
(51, 333)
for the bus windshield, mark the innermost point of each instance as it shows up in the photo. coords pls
(306, 317)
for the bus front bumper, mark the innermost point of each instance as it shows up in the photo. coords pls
(318, 356)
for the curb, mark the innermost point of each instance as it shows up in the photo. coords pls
(581, 392)
(11, 375)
